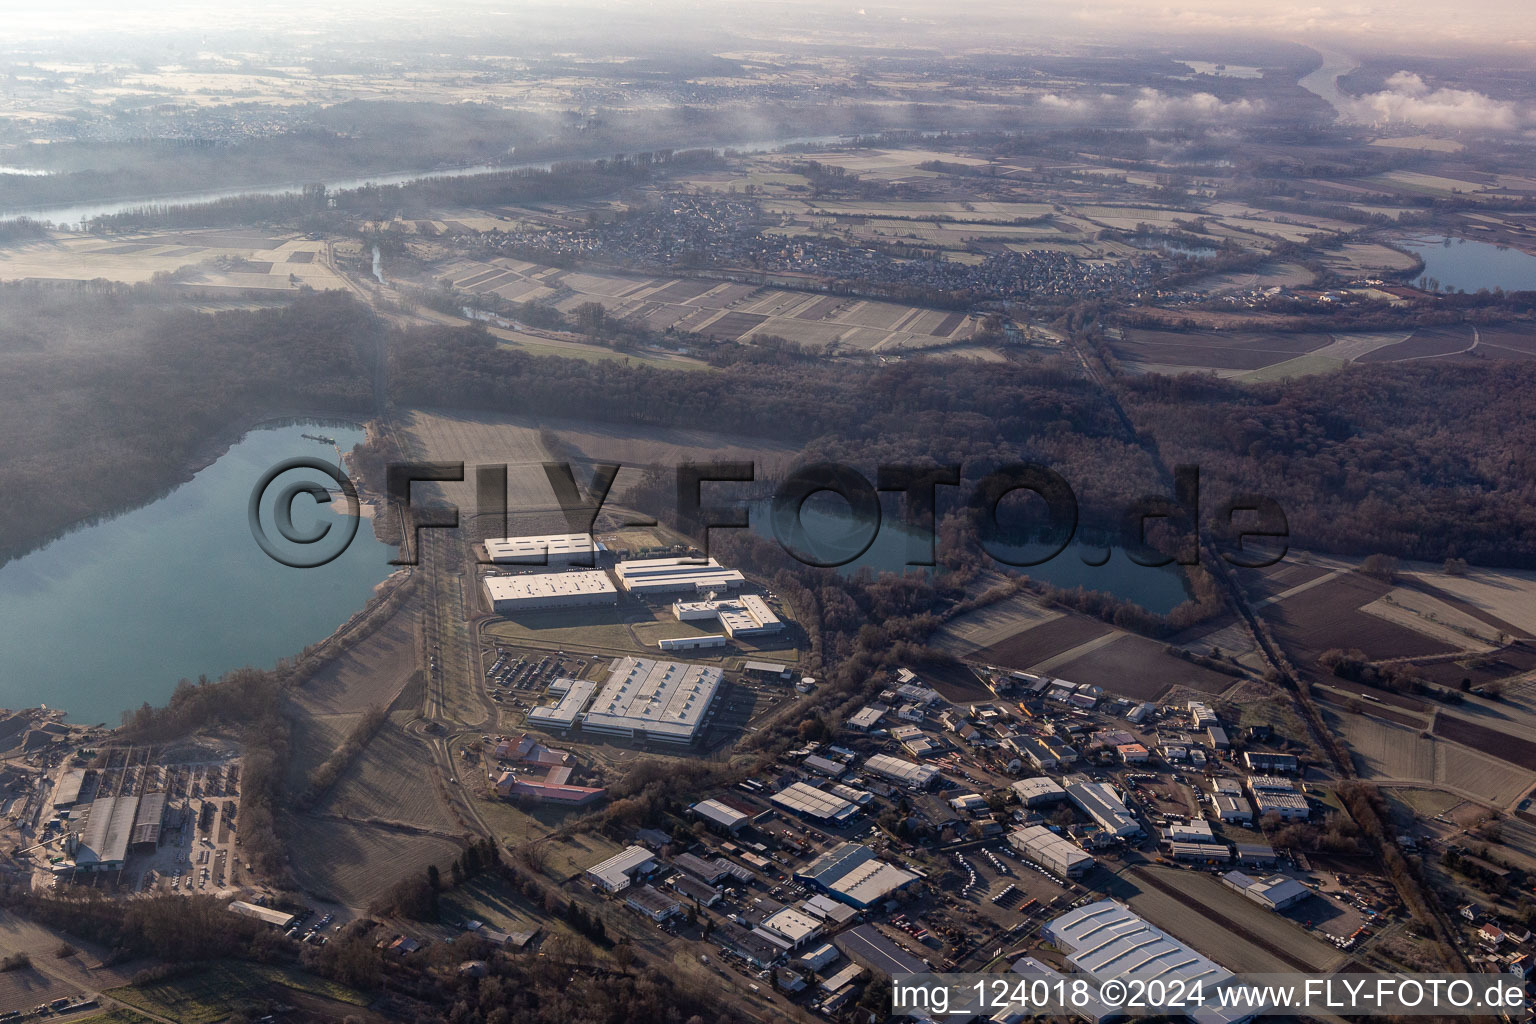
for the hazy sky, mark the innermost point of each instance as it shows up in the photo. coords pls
(1426, 26)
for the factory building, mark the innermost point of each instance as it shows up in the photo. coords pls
(147, 821)
(653, 700)
(617, 872)
(691, 643)
(853, 874)
(1105, 941)
(103, 845)
(652, 902)
(559, 549)
(1055, 853)
(1276, 892)
(68, 793)
(721, 815)
(539, 591)
(652, 577)
(906, 773)
(747, 615)
(275, 918)
(1100, 803)
(561, 716)
(867, 717)
(810, 802)
(1232, 808)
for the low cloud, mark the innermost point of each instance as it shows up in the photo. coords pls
(1153, 106)
(1408, 98)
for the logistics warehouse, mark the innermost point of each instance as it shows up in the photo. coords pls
(642, 699)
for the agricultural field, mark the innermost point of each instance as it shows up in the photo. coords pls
(1330, 615)
(205, 262)
(1138, 668)
(389, 782)
(352, 863)
(1257, 356)
(1221, 923)
(216, 992)
(1042, 640)
(969, 633)
(1388, 752)
(724, 311)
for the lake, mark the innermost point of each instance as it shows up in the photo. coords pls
(1463, 265)
(114, 614)
(833, 534)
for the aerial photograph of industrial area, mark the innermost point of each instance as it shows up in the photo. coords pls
(722, 512)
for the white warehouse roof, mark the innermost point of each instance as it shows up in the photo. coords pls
(670, 575)
(662, 699)
(617, 871)
(551, 548)
(550, 586)
(812, 802)
(1105, 939)
(563, 714)
(908, 772)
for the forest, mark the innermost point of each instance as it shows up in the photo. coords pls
(108, 398)
(1417, 460)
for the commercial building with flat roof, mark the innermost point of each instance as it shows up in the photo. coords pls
(1276, 892)
(554, 549)
(537, 591)
(702, 893)
(1267, 761)
(574, 695)
(746, 615)
(1100, 803)
(691, 643)
(1232, 808)
(1057, 854)
(651, 577)
(1039, 791)
(653, 700)
(652, 902)
(866, 945)
(867, 717)
(790, 928)
(615, 873)
(810, 802)
(908, 773)
(1289, 806)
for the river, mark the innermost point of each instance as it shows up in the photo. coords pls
(74, 213)
(1324, 82)
(112, 615)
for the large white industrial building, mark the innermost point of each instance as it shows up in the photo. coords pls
(747, 615)
(535, 591)
(1105, 940)
(649, 577)
(1057, 854)
(655, 700)
(907, 773)
(853, 874)
(556, 549)
(810, 802)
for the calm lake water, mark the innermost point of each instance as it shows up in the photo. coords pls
(1463, 265)
(833, 535)
(113, 615)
